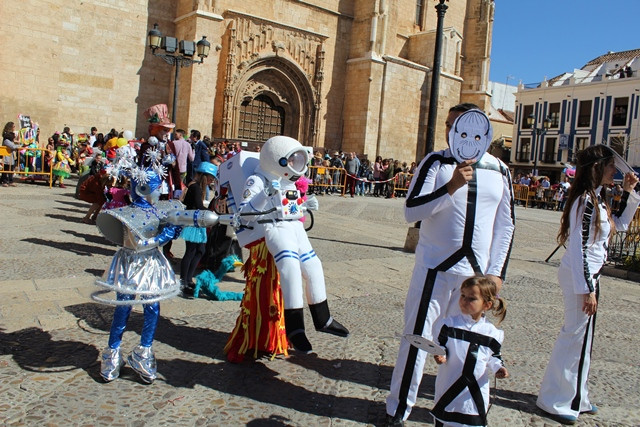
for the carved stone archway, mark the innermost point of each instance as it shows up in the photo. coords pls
(281, 64)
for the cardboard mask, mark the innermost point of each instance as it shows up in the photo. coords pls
(470, 136)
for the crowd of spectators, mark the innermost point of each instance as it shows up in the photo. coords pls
(387, 178)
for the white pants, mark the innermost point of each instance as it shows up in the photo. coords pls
(440, 302)
(564, 386)
(289, 245)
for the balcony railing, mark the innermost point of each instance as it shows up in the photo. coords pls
(549, 157)
(523, 156)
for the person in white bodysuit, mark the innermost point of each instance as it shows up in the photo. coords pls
(275, 207)
(467, 222)
(585, 228)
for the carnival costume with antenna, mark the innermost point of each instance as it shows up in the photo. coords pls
(138, 267)
(461, 235)
(273, 206)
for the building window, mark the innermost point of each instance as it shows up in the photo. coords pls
(524, 154)
(554, 114)
(260, 119)
(584, 114)
(581, 143)
(419, 12)
(549, 155)
(620, 108)
(527, 110)
(618, 143)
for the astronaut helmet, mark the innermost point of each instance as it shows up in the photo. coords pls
(284, 157)
(470, 135)
(146, 185)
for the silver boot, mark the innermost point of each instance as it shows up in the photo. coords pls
(111, 363)
(143, 361)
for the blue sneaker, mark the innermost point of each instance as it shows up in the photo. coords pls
(592, 411)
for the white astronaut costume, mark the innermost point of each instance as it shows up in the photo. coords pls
(462, 385)
(467, 233)
(271, 193)
(564, 386)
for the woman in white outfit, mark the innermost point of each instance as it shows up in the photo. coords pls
(585, 228)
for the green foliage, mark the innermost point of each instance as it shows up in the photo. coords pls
(632, 263)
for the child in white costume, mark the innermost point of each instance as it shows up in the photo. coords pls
(585, 228)
(473, 348)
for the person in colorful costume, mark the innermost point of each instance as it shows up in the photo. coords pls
(270, 209)
(62, 166)
(138, 267)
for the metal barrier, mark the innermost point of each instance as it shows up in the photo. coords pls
(623, 245)
(401, 183)
(327, 180)
(30, 162)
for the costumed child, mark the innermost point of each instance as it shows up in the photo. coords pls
(139, 268)
(117, 194)
(92, 190)
(195, 237)
(62, 166)
(472, 350)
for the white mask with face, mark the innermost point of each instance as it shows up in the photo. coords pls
(470, 135)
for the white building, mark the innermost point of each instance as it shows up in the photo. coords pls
(595, 104)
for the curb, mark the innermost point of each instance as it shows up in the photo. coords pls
(620, 273)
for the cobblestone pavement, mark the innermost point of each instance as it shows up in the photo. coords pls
(51, 333)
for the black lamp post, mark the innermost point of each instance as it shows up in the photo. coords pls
(537, 133)
(184, 58)
(441, 9)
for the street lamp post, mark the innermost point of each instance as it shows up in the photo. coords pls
(184, 58)
(441, 9)
(537, 133)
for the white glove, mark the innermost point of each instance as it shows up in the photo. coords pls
(312, 203)
(273, 187)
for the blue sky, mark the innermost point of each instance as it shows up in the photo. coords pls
(537, 38)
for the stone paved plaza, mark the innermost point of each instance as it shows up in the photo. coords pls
(51, 333)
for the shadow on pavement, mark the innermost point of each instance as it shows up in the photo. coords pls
(36, 351)
(65, 218)
(70, 210)
(358, 244)
(173, 332)
(78, 249)
(77, 204)
(90, 238)
(252, 379)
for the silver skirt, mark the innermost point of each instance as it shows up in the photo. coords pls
(147, 274)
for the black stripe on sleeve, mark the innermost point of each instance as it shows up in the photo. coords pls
(414, 199)
(586, 228)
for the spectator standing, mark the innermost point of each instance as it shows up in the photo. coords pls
(378, 169)
(336, 162)
(93, 136)
(200, 152)
(183, 151)
(8, 140)
(352, 166)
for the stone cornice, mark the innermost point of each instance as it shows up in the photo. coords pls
(199, 14)
(274, 23)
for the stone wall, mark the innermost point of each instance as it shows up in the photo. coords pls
(87, 64)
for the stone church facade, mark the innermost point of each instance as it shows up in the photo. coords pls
(336, 74)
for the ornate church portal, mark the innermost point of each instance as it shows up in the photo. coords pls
(272, 82)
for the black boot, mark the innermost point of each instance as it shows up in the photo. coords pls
(323, 321)
(294, 325)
